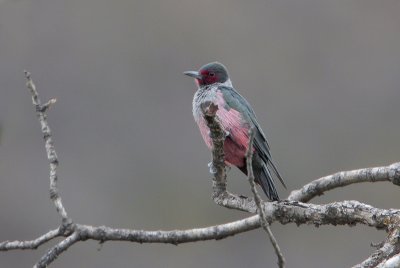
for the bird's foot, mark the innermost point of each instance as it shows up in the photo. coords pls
(213, 170)
(227, 134)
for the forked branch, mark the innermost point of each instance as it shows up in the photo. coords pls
(290, 211)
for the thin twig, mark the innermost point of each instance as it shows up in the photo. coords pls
(30, 244)
(55, 251)
(390, 247)
(263, 219)
(50, 150)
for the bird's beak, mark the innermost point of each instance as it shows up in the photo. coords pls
(193, 74)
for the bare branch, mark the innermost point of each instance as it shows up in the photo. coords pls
(390, 247)
(50, 150)
(220, 195)
(318, 187)
(30, 244)
(337, 213)
(175, 237)
(291, 211)
(55, 251)
(263, 219)
(217, 135)
(393, 262)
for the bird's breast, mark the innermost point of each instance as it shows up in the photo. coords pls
(203, 95)
(231, 121)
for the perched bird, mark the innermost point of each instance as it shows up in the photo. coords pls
(236, 117)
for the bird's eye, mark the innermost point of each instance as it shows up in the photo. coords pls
(211, 74)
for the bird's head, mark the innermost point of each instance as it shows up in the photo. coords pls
(209, 74)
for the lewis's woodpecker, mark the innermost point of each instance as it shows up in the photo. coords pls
(236, 117)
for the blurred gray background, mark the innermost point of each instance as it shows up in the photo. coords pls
(322, 76)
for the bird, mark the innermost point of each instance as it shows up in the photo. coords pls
(236, 117)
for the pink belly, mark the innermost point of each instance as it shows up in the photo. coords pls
(235, 146)
(235, 150)
(234, 154)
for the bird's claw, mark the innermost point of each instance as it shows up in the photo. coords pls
(210, 134)
(213, 170)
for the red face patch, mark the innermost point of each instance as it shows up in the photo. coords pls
(208, 77)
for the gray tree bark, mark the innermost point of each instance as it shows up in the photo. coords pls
(294, 209)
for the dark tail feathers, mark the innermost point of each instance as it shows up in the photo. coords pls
(266, 181)
(264, 178)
